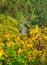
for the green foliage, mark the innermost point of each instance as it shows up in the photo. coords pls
(23, 49)
(8, 24)
(30, 8)
(0, 63)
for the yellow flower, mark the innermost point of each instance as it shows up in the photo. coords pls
(43, 57)
(7, 36)
(0, 40)
(1, 45)
(36, 52)
(33, 38)
(9, 44)
(37, 35)
(6, 55)
(45, 28)
(13, 35)
(19, 50)
(35, 30)
(45, 37)
(1, 52)
(29, 45)
(22, 42)
(1, 25)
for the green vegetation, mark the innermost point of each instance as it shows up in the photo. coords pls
(29, 9)
(8, 24)
(23, 49)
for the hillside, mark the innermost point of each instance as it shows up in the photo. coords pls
(23, 32)
(8, 24)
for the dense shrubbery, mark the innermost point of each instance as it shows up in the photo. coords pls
(8, 24)
(29, 9)
(27, 49)
(23, 49)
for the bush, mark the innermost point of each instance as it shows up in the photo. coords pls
(8, 24)
(27, 49)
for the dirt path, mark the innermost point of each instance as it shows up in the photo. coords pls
(24, 28)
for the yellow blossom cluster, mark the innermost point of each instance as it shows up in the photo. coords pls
(34, 31)
(1, 52)
(9, 44)
(28, 46)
